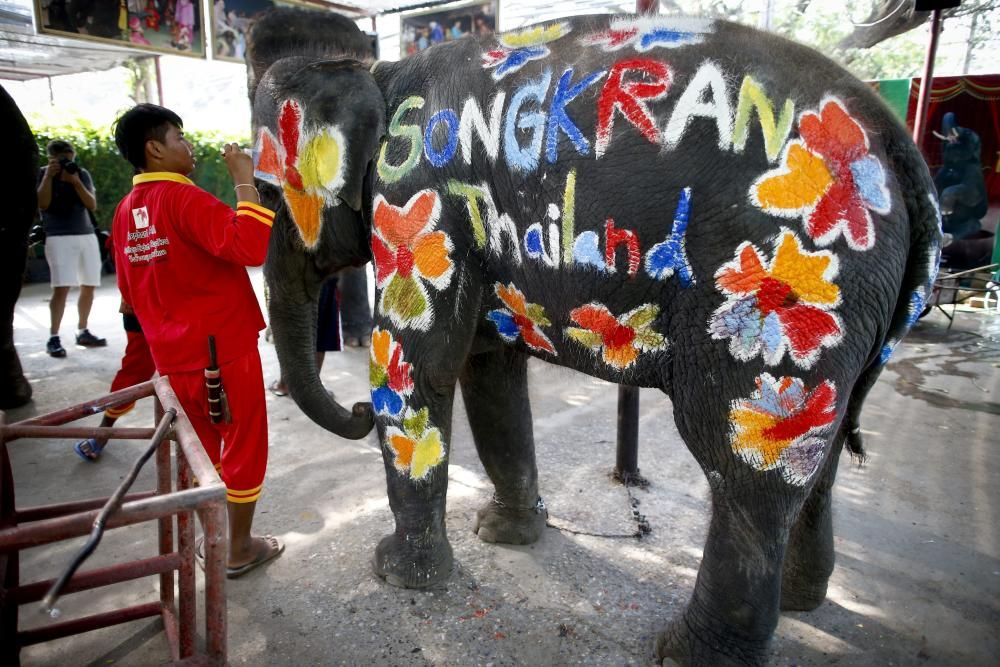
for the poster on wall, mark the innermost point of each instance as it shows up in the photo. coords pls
(165, 26)
(425, 29)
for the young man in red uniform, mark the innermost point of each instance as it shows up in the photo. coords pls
(181, 256)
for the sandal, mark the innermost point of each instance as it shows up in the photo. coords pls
(277, 548)
(275, 388)
(89, 449)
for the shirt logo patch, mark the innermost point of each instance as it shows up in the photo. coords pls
(141, 217)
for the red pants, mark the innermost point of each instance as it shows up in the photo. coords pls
(137, 366)
(238, 449)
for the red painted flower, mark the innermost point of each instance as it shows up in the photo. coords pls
(828, 178)
(619, 339)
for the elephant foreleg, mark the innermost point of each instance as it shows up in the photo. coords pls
(415, 450)
(809, 560)
(495, 390)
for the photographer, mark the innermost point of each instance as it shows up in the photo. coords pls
(65, 195)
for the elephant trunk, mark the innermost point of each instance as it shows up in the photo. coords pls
(294, 329)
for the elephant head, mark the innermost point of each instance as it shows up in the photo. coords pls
(313, 154)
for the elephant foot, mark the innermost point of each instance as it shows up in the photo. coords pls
(17, 394)
(680, 646)
(802, 597)
(502, 524)
(404, 566)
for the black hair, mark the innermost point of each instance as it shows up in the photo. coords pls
(57, 146)
(140, 124)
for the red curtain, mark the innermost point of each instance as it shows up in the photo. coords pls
(975, 100)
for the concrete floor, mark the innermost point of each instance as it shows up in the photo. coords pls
(918, 552)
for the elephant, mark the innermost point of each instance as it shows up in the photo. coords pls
(677, 203)
(959, 182)
(19, 171)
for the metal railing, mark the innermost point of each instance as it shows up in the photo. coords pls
(199, 491)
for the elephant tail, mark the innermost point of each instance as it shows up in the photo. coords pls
(923, 258)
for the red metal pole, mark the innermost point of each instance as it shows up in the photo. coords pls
(105, 576)
(75, 412)
(166, 523)
(627, 452)
(216, 546)
(75, 627)
(187, 620)
(926, 83)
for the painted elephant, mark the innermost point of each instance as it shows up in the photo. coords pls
(19, 171)
(676, 203)
(960, 183)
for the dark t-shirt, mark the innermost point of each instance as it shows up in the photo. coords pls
(66, 214)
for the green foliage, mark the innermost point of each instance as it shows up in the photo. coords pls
(96, 152)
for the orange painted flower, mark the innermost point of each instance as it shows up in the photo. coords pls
(828, 178)
(785, 306)
(784, 425)
(408, 253)
(417, 448)
(307, 166)
(621, 339)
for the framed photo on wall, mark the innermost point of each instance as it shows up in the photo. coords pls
(421, 30)
(164, 26)
(231, 20)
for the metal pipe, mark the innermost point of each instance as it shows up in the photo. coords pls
(165, 525)
(127, 395)
(216, 546)
(114, 502)
(187, 619)
(65, 527)
(105, 576)
(202, 467)
(627, 454)
(926, 83)
(40, 512)
(88, 623)
(18, 431)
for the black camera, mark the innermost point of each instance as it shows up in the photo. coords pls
(68, 165)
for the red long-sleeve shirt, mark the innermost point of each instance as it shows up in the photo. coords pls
(181, 255)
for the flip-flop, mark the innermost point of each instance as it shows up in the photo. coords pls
(93, 452)
(235, 572)
(273, 388)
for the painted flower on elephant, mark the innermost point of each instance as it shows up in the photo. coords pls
(783, 425)
(389, 374)
(516, 49)
(647, 33)
(828, 178)
(523, 319)
(307, 166)
(621, 339)
(784, 306)
(417, 447)
(407, 253)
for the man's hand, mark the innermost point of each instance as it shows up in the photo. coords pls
(240, 164)
(53, 169)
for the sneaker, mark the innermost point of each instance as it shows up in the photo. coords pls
(54, 347)
(87, 339)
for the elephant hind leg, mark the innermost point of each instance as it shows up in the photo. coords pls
(759, 479)
(495, 390)
(809, 558)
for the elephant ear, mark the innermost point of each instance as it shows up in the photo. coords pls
(318, 127)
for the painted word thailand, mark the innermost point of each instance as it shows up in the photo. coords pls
(784, 426)
(528, 126)
(307, 166)
(558, 244)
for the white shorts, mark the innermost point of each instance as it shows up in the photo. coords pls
(73, 260)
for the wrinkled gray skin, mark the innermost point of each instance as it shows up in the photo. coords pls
(769, 545)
